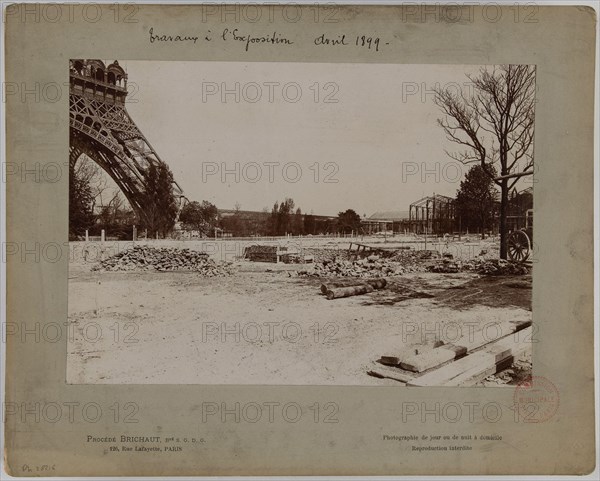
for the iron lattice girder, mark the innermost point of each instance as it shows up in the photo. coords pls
(132, 187)
(106, 133)
(111, 144)
(113, 121)
(113, 117)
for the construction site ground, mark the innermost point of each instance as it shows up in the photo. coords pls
(265, 324)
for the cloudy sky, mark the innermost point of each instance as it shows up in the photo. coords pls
(294, 128)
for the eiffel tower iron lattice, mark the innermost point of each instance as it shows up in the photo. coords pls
(101, 128)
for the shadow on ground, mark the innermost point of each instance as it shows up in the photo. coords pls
(457, 291)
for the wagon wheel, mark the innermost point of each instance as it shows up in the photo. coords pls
(519, 246)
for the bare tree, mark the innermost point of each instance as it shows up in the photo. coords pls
(495, 125)
(90, 172)
(115, 206)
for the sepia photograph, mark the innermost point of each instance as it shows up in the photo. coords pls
(297, 240)
(300, 223)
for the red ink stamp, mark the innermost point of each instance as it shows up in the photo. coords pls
(537, 399)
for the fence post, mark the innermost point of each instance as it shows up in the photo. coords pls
(87, 236)
(102, 236)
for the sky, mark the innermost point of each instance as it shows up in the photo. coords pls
(330, 136)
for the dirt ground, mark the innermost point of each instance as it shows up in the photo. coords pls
(267, 325)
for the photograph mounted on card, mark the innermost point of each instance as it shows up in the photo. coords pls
(244, 229)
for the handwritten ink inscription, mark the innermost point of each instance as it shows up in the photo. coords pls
(171, 38)
(274, 39)
(227, 35)
(248, 40)
(367, 41)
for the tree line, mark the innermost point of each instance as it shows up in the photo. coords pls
(94, 207)
(91, 210)
(284, 218)
(477, 209)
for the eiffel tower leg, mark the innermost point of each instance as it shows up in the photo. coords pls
(110, 165)
(101, 128)
(74, 154)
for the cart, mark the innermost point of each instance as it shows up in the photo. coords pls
(520, 242)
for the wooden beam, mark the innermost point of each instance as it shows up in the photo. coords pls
(482, 337)
(468, 342)
(475, 367)
(385, 372)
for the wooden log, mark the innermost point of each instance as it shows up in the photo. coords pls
(340, 283)
(477, 366)
(379, 283)
(339, 292)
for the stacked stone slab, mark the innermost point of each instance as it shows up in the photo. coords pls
(262, 253)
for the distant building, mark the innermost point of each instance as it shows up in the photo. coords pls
(433, 215)
(384, 221)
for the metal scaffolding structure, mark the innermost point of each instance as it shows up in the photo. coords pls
(432, 215)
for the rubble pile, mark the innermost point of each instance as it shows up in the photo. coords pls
(497, 267)
(480, 265)
(446, 266)
(504, 377)
(372, 266)
(148, 258)
(413, 258)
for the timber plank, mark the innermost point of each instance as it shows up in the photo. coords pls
(381, 371)
(490, 334)
(477, 366)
